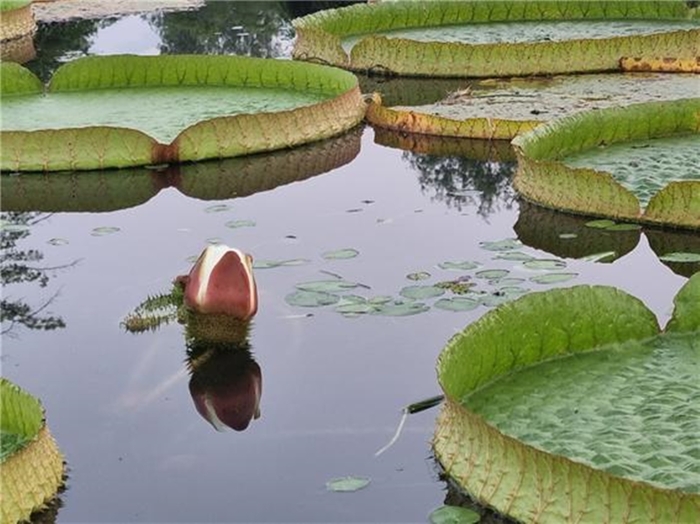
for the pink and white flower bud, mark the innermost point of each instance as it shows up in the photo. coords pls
(222, 282)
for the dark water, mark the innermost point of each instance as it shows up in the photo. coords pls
(333, 387)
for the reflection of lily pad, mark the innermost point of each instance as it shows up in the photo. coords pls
(32, 465)
(243, 105)
(311, 298)
(340, 254)
(544, 177)
(347, 484)
(611, 372)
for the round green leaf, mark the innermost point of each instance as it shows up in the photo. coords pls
(492, 274)
(454, 515)
(420, 275)
(421, 292)
(105, 230)
(545, 263)
(400, 309)
(347, 484)
(514, 255)
(553, 278)
(600, 224)
(682, 257)
(459, 266)
(340, 254)
(457, 304)
(304, 298)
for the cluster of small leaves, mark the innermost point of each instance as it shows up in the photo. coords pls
(155, 311)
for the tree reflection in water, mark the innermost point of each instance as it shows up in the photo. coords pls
(460, 181)
(22, 266)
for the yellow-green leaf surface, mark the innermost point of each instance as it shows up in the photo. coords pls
(31, 469)
(120, 111)
(565, 480)
(501, 109)
(442, 38)
(544, 177)
(99, 191)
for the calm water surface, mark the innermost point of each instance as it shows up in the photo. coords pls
(333, 387)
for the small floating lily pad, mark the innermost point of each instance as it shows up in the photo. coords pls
(544, 263)
(492, 274)
(380, 299)
(681, 257)
(510, 281)
(327, 286)
(600, 224)
(233, 224)
(517, 256)
(355, 308)
(57, 241)
(304, 298)
(217, 208)
(347, 484)
(340, 254)
(606, 256)
(459, 266)
(419, 275)
(457, 304)
(507, 244)
(400, 309)
(553, 278)
(105, 230)
(454, 515)
(268, 264)
(421, 292)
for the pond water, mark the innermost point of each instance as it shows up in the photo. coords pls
(332, 387)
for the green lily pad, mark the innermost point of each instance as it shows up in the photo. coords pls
(380, 299)
(340, 254)
(57, 241)
(355, 308)
(127, 110)
(624, 227)
(600, 224)
(606, 256)
(454, 515)
(681, 257)
(517, 256)
(347, 484)
(457, 304)
(459, 266)
(492, 274)
(568, 236)
(616, 415)
(420, 275)
(507, 244)
(510, 281)
(327, 286)
(217, 208)
(543, 263)
(233, 224)
(553, 278)
(305, 298)
(268, 264)
(104, 230)
(400, 309)
(27, 452)
(421, 292)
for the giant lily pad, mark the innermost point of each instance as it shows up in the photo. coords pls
(119, 111)
(544, 177)
(580, 441)
(32, 465)
(553, 37)
(501, 109)
(97, 191)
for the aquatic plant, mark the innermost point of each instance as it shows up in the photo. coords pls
(574, 454)
(31, 465)
(545, 177)
(139, 110)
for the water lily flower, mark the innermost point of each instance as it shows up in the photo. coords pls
(222, 282)
(226, 389)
